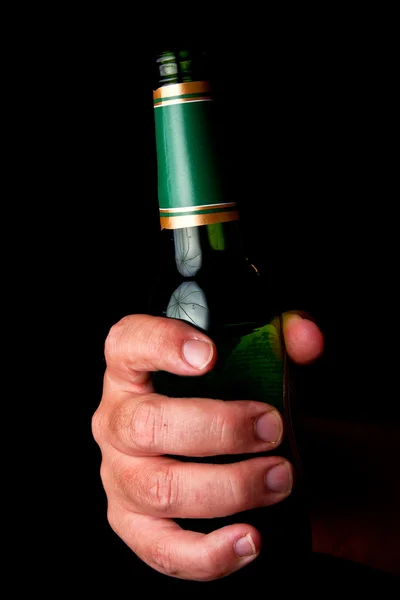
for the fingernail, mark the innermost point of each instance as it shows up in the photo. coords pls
(269, 427)
(279, 479)
(245, 546)
(197, 353)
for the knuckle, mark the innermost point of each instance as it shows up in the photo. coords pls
(98, 425)
(120, 420)
(146, 425)
(161, 336)
(113, 338)
(151, 335)
(223, 429)
(139, 426)
(154, 490)
(160, 555)
(103, 474)
(162, 490)
(236, 492)
(125, 479)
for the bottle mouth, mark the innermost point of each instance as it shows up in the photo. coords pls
(181, 66)
(167, 68)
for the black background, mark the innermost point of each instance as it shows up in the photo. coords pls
(289, 96)
(281, 131)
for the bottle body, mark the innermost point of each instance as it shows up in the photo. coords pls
(206, 279)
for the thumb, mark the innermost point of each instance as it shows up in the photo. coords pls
(303, 338)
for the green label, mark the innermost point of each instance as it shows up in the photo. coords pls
(253, 368)
(189, 190)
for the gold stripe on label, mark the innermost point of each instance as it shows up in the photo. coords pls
(180, 89)
(193, 220)
(200, 207)
(182, 101)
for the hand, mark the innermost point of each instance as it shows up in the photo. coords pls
(135, 427)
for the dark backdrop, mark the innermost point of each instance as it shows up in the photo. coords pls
(288, 132)
(281, 131)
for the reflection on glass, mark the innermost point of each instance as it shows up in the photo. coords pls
(216, 236)
(189, 303)
(187, 251)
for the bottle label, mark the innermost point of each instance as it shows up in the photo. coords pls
(250, 363)
(189, 187)
(254, 368)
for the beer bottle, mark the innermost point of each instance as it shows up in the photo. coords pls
(207, 280)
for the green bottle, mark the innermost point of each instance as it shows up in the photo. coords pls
(207, 280)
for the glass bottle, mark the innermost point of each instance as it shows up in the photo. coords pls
(206, 279)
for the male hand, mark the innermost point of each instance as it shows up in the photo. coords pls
(135, 428)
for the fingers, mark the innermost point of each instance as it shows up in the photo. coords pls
(139, 344)
(153, 425)
(167, 548)
(168, 488)
(304, 340)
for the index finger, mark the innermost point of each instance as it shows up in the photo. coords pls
(140, 344)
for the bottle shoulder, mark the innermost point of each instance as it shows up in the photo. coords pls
(228, 291)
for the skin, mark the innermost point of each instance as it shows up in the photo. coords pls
(135, 427)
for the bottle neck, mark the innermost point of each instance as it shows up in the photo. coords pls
(190, 183)
(181, 66)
